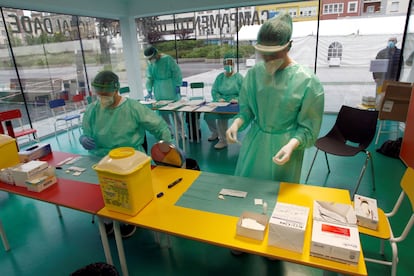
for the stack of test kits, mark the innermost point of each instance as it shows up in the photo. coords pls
(34, 175)
(287, 226)
(335, 233)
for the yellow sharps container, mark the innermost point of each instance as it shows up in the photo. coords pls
(125, 180)
(8, 151)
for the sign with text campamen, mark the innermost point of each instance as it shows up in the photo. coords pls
(193, 24)
(215, 22)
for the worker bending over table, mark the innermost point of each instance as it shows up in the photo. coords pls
(116, 121)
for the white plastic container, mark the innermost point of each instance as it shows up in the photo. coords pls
(125, 179)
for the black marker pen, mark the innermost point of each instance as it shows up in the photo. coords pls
(175, 182)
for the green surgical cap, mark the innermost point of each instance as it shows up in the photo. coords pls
(150, 52)
(275, 34)
(106, 81)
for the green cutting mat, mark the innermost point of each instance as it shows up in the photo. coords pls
(203, 194)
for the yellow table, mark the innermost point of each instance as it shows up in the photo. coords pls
(162, 215)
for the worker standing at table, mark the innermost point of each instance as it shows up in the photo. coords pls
(226, 88)
(164, 80)
(116, 121)
(282, 102)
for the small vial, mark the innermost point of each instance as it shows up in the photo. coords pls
(264, 208)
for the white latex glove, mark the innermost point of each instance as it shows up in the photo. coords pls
(231, 133)
(283, 155)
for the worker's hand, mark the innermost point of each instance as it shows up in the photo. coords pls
(231, 133)
(283, 155)
(177, 90)
(234, 101)
(87, 142)
(148, 96)
(221, 100)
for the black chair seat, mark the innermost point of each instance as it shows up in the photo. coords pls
(352, 133)
(332, 146)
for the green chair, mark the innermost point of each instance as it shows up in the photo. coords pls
(124, 90)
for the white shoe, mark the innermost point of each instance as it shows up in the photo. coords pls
(220, 145)
(213, 137)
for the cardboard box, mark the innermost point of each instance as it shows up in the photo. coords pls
(35, 152)
(335, 242)
(41, 183)
(247, 229)
(27, 171)
(287, 226)
(366, 211)
(335, 233)
(334, 212)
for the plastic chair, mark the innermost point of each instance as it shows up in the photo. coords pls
(21, 130)
(60, 114)
(124, 90)
(385, 232)
(185, 85)
(4, 238)
(79, 102)
(351, 134)
(194, 86)
(394, 105)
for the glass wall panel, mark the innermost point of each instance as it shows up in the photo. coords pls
(48, 56)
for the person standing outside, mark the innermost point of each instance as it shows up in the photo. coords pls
(283, 104)
(393, 55)
(164, 80)
(226, 88)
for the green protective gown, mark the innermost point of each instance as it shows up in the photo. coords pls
(287, 105)
(226, 88)
(122, 126)
(163, 77)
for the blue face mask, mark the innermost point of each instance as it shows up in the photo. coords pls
(228, 68)
(391, 44)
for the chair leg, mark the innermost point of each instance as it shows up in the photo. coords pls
(379, 131)
(372, 171)
(394, 258)
(361, 174)
(310, 169)
(327, 163)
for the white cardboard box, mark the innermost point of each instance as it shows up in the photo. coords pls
(366, 211)
(335, 233)
(287, 226)
(28, 170)
(338, 213)
(335, 242)
(35, 152)
(253, 233)
(41, 183)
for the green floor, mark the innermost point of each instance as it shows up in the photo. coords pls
(44, 244)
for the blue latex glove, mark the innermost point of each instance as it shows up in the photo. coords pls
(148, 96)
(177, 89)
(87, 142)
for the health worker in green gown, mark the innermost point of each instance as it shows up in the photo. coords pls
(115, 121)
(164, 80)
(282, 102)
(226, 88)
